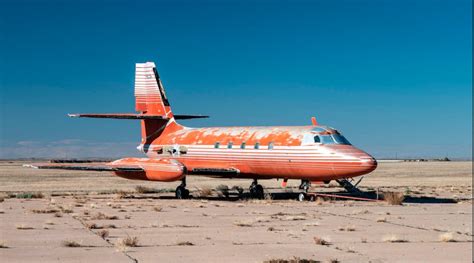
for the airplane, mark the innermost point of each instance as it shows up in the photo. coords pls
(312, 154)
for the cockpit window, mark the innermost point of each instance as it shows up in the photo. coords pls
(334, 139)
(340, 139)
(327, 139)
(317, 139)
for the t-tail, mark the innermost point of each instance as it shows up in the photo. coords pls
(152, 105)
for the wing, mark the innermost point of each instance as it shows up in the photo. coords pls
(98, 166)
(214, 172)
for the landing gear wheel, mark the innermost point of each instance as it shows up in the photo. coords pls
(182, 193)
(302, 197)
(256, 190)
(259, 194)
(312, 198)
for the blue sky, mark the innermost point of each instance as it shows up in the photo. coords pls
(394, 76)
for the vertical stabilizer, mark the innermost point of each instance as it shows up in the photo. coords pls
(150, 96)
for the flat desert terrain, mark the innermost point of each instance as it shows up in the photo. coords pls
(75, 216)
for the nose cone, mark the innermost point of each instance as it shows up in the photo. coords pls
(367, 164)
(354, 162)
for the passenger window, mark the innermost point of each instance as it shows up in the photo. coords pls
(270, 146)
(217, 145)
(257, 145)
(229, 145)
(242, 146)
(317, 139)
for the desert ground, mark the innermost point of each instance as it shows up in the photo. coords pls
(76, 216)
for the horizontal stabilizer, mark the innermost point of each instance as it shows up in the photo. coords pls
(133, 116)
(186, 117)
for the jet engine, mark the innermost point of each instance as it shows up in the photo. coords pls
(163, 170)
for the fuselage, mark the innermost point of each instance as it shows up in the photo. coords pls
(315, 153)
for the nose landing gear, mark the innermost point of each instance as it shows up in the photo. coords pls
(256, 190)
(305, 185)
(181, 191)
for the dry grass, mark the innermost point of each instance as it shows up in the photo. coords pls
(45, 211)
(185, 243)
(70, 243)
(95, 226)
(293, 260)
(49, 222)
(91, 225)
(394, 198)
(447, 237)
(103, 233)
(262, 220)
(350, 228)
(157, 208)
(24, 227)
(205, 191)
(145, 190)
(295, 218)
(66, 210)
(244, 223)
(30, 195)
(58, 214)
(102, 216)
(321, 241)
(394, 239)
(122, 194)
(381, 220)
(128, 242)
(3, 244)
(223, 190)
(319, 201)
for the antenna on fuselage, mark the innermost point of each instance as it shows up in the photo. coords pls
(313, 120)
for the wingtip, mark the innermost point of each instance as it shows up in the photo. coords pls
(30, 166)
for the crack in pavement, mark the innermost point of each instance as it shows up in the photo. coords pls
(396, 224)
(111, 245)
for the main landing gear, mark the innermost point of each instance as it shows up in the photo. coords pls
(181, 191)
(305, 185)
(256, 190)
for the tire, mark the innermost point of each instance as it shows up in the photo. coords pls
(259, 194)
(302, 197)
(186, 194)
(181, 193)
(312, 198)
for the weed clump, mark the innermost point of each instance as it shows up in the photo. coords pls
(321, 241)
(71, 243)
(394, 198)
(447, 237)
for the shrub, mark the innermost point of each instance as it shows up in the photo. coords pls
(128, 242)
(394, 198)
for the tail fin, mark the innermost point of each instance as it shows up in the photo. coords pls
(150, 99)
(150, 96)
(152, 104)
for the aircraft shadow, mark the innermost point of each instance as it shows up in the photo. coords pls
(334, 196)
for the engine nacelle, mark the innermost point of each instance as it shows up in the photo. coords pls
(162, 170)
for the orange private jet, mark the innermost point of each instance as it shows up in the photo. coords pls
(312, 153)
